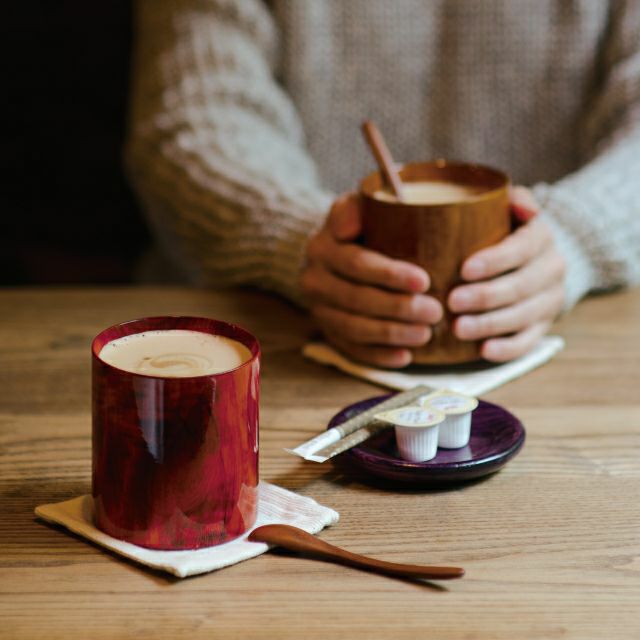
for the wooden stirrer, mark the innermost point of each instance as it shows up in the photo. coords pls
(383, 157)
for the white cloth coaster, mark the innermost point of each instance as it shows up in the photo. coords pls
(275, 506)
(472, 381)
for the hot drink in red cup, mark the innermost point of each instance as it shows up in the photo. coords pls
(175, 431)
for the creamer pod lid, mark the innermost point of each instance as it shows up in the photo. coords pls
(412, 416)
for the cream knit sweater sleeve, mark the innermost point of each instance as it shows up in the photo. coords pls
(217, 152)
(595, 212)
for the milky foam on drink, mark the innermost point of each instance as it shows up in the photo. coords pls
(175, 353)
(431, 192)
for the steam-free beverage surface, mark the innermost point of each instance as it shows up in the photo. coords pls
(175, 353)
(431, 192)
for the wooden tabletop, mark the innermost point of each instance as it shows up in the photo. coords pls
(551, 543)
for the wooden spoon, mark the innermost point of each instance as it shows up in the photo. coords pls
(383, 157)
(304, 543)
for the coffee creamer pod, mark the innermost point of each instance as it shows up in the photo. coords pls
(455, 430)
(416, 431)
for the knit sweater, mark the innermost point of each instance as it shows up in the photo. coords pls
(245, 120)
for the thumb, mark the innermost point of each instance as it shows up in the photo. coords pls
(523, 205)
(345, 218)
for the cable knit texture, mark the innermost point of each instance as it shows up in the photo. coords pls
(246, 114)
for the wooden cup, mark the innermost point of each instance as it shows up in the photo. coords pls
(175, 460)
(439, 237)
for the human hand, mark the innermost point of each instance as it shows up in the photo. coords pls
(516, 287)
(370, 306)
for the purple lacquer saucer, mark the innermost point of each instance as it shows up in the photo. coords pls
(496, 437)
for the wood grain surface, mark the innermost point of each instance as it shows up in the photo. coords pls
(551, 543)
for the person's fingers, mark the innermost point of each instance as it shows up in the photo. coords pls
(388, 357)
(545, 270)
(511, 347)
(363, 330)
(515, 250)
(365, 266)
(344, 221)
(543, 306)
(322, 286)
(522, 203)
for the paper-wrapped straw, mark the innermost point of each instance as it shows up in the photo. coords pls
(354, 430)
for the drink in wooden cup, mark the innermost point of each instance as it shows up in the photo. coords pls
(449, 211)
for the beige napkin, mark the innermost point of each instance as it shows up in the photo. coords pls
(275, 506)
(473, 380)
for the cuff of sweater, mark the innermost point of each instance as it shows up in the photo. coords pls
(579, 277)
(290, 254)
(288, 262)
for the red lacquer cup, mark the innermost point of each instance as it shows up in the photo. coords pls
(175, 460)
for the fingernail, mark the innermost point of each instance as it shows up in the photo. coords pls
(475, 267)
(420, 336)
(403, 358)
(491, 351)
(418, 284)
(464, 327)
(424, 309)
(460, 300)
(420, 308)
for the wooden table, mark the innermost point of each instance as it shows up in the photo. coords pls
(551, 543)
